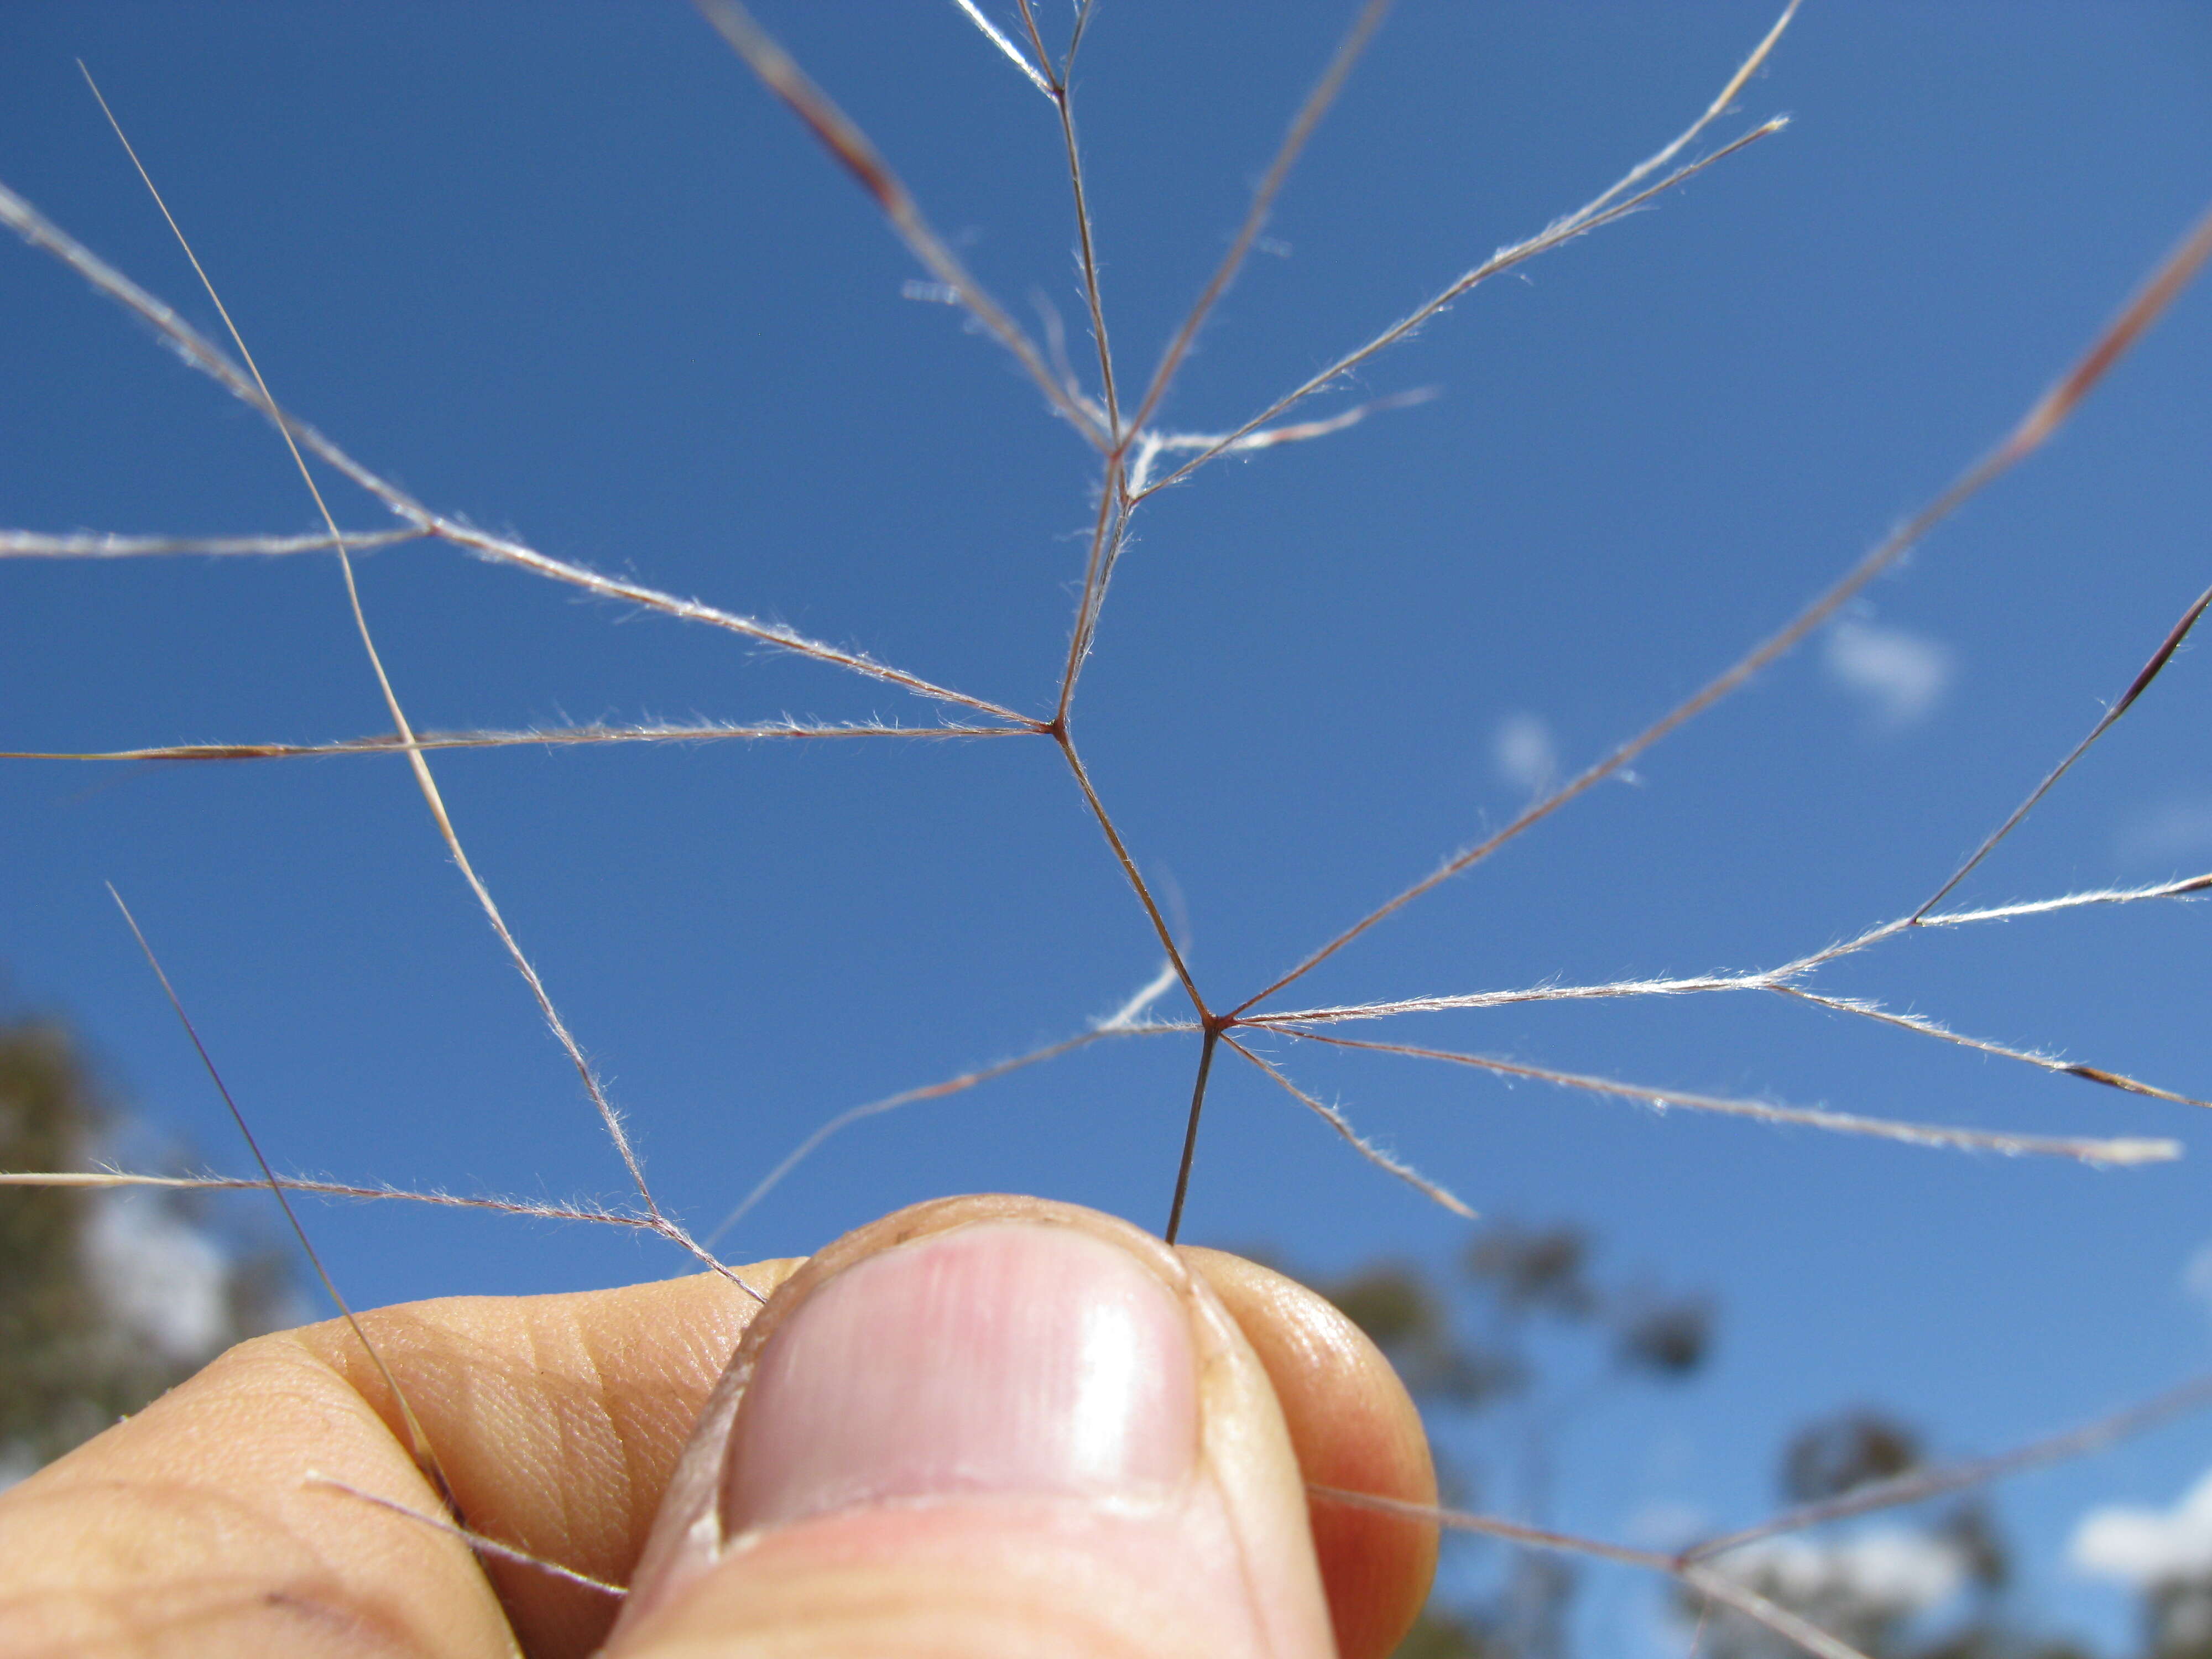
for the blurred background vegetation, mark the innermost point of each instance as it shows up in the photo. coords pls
(108, 1297)
(1528, 1330)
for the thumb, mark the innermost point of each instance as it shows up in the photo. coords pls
(986, 1427)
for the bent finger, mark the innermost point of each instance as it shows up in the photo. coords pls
(225, 1517)
(1353, 1427)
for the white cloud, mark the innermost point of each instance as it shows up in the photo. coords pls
(163, 1278)
(1900, 1572)
(1526, 755)
(2162, 834)
(1902, 675)
(2140, 1545)
(2196, 1276)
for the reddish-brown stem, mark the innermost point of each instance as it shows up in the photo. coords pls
(851, 149)
(1059, 732)
(1106, 533)
(1278, 171)
(1190, 1133)
(2035, 428)
(2149, 671)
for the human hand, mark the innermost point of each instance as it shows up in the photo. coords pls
(982, 1427)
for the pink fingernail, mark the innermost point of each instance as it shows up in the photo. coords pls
(1006, 1357)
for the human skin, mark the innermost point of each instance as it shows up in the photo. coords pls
(983, 1426)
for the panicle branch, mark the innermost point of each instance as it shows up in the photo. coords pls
(548, 737)
(418, 1443)
(30, 544)
(1053, 82)
(1493, 1526)
(1364, 25)
(1823, 1644)
(2149, 671)
(1694, 1565)
(2035, 428)
(537, 1209)
(951, 1085)
(482, 1544)
(1110, 533)
(426, 784)
(2185, 887)
(202, 354)
(1866, 1009)
(1131, 453)
(1134, 876)
(1917, 1485)
(1367, 1149)
(1556, 235)
(1625, 987)
(850, 147)
(1722, 101)
(1780, 981)
(2122, 1151)
(1151, 443)
(997, 37)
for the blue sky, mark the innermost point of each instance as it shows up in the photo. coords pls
(566, 271)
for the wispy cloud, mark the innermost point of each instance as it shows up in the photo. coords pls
(163, 1278)
(1525, 754)
(2196, 1276)
(1900, 676)
(2160, 834)
(2140, 1545)
(1899, 1570)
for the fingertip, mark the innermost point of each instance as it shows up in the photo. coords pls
(988, 1426)
(558, 1420)
(1353, 1426)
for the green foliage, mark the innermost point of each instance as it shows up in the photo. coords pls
(1514, 1275)
(1829, 1457)
(2178, 1620)
(1540, 1271)
(62, 1376)
(1466, 1348)
(1514, 1281)
(72, 1360)
(1407, 1320)
(1835, 1455)
(1439, 1634)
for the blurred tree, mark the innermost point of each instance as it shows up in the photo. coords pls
(1832, 1455)
(107, 1298)
(1478, 1350)
(2178, 1619)
(1931, 1588)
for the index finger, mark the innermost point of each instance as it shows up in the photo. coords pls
(200, 1524)
(218, 1519)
